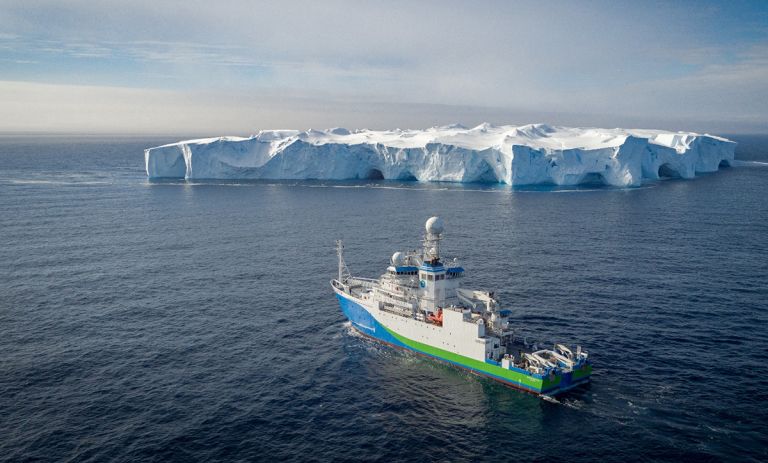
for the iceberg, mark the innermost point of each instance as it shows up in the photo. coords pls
(514, 155)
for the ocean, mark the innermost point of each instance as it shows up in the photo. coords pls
(194, 321)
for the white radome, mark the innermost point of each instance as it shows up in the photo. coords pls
(398, 258)
(435, 225)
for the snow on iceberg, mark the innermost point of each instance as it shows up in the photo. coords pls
(524, 155)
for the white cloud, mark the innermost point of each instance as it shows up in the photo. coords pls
(35, 107)
(579, 63)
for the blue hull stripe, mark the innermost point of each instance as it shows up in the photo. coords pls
(363, 321)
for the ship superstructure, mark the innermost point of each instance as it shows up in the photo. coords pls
(420, 304)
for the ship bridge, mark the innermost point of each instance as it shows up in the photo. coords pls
(437, 281)
(403, 270)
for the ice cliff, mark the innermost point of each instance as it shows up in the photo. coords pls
(524, 155)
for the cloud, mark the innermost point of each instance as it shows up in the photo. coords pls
(602, 61)
(69, 108)
(45, 108)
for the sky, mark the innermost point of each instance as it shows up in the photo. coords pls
(236, 67)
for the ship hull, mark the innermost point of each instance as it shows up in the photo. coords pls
(366, 323)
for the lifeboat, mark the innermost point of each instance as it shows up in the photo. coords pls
(437, 318)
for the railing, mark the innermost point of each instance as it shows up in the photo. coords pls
(396, 310)
(363, 282)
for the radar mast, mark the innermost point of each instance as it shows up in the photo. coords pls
(344, 273)
(432, 238)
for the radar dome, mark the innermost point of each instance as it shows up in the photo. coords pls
(398, 259)
(435, 225)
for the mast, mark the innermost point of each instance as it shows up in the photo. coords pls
(434, 228)
(344, 274)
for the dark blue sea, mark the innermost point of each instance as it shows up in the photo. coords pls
(178, 321)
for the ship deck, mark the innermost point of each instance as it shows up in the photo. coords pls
(516, 344)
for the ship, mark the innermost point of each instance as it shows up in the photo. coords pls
(420, 304)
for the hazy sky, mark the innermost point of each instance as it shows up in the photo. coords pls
(219, 67)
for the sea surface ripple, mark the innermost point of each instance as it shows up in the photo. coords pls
(175, 321)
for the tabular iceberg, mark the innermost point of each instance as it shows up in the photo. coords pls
(515, 155)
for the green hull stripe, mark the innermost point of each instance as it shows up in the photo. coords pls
(514, 377)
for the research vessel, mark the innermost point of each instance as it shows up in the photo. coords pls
(420, 304)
